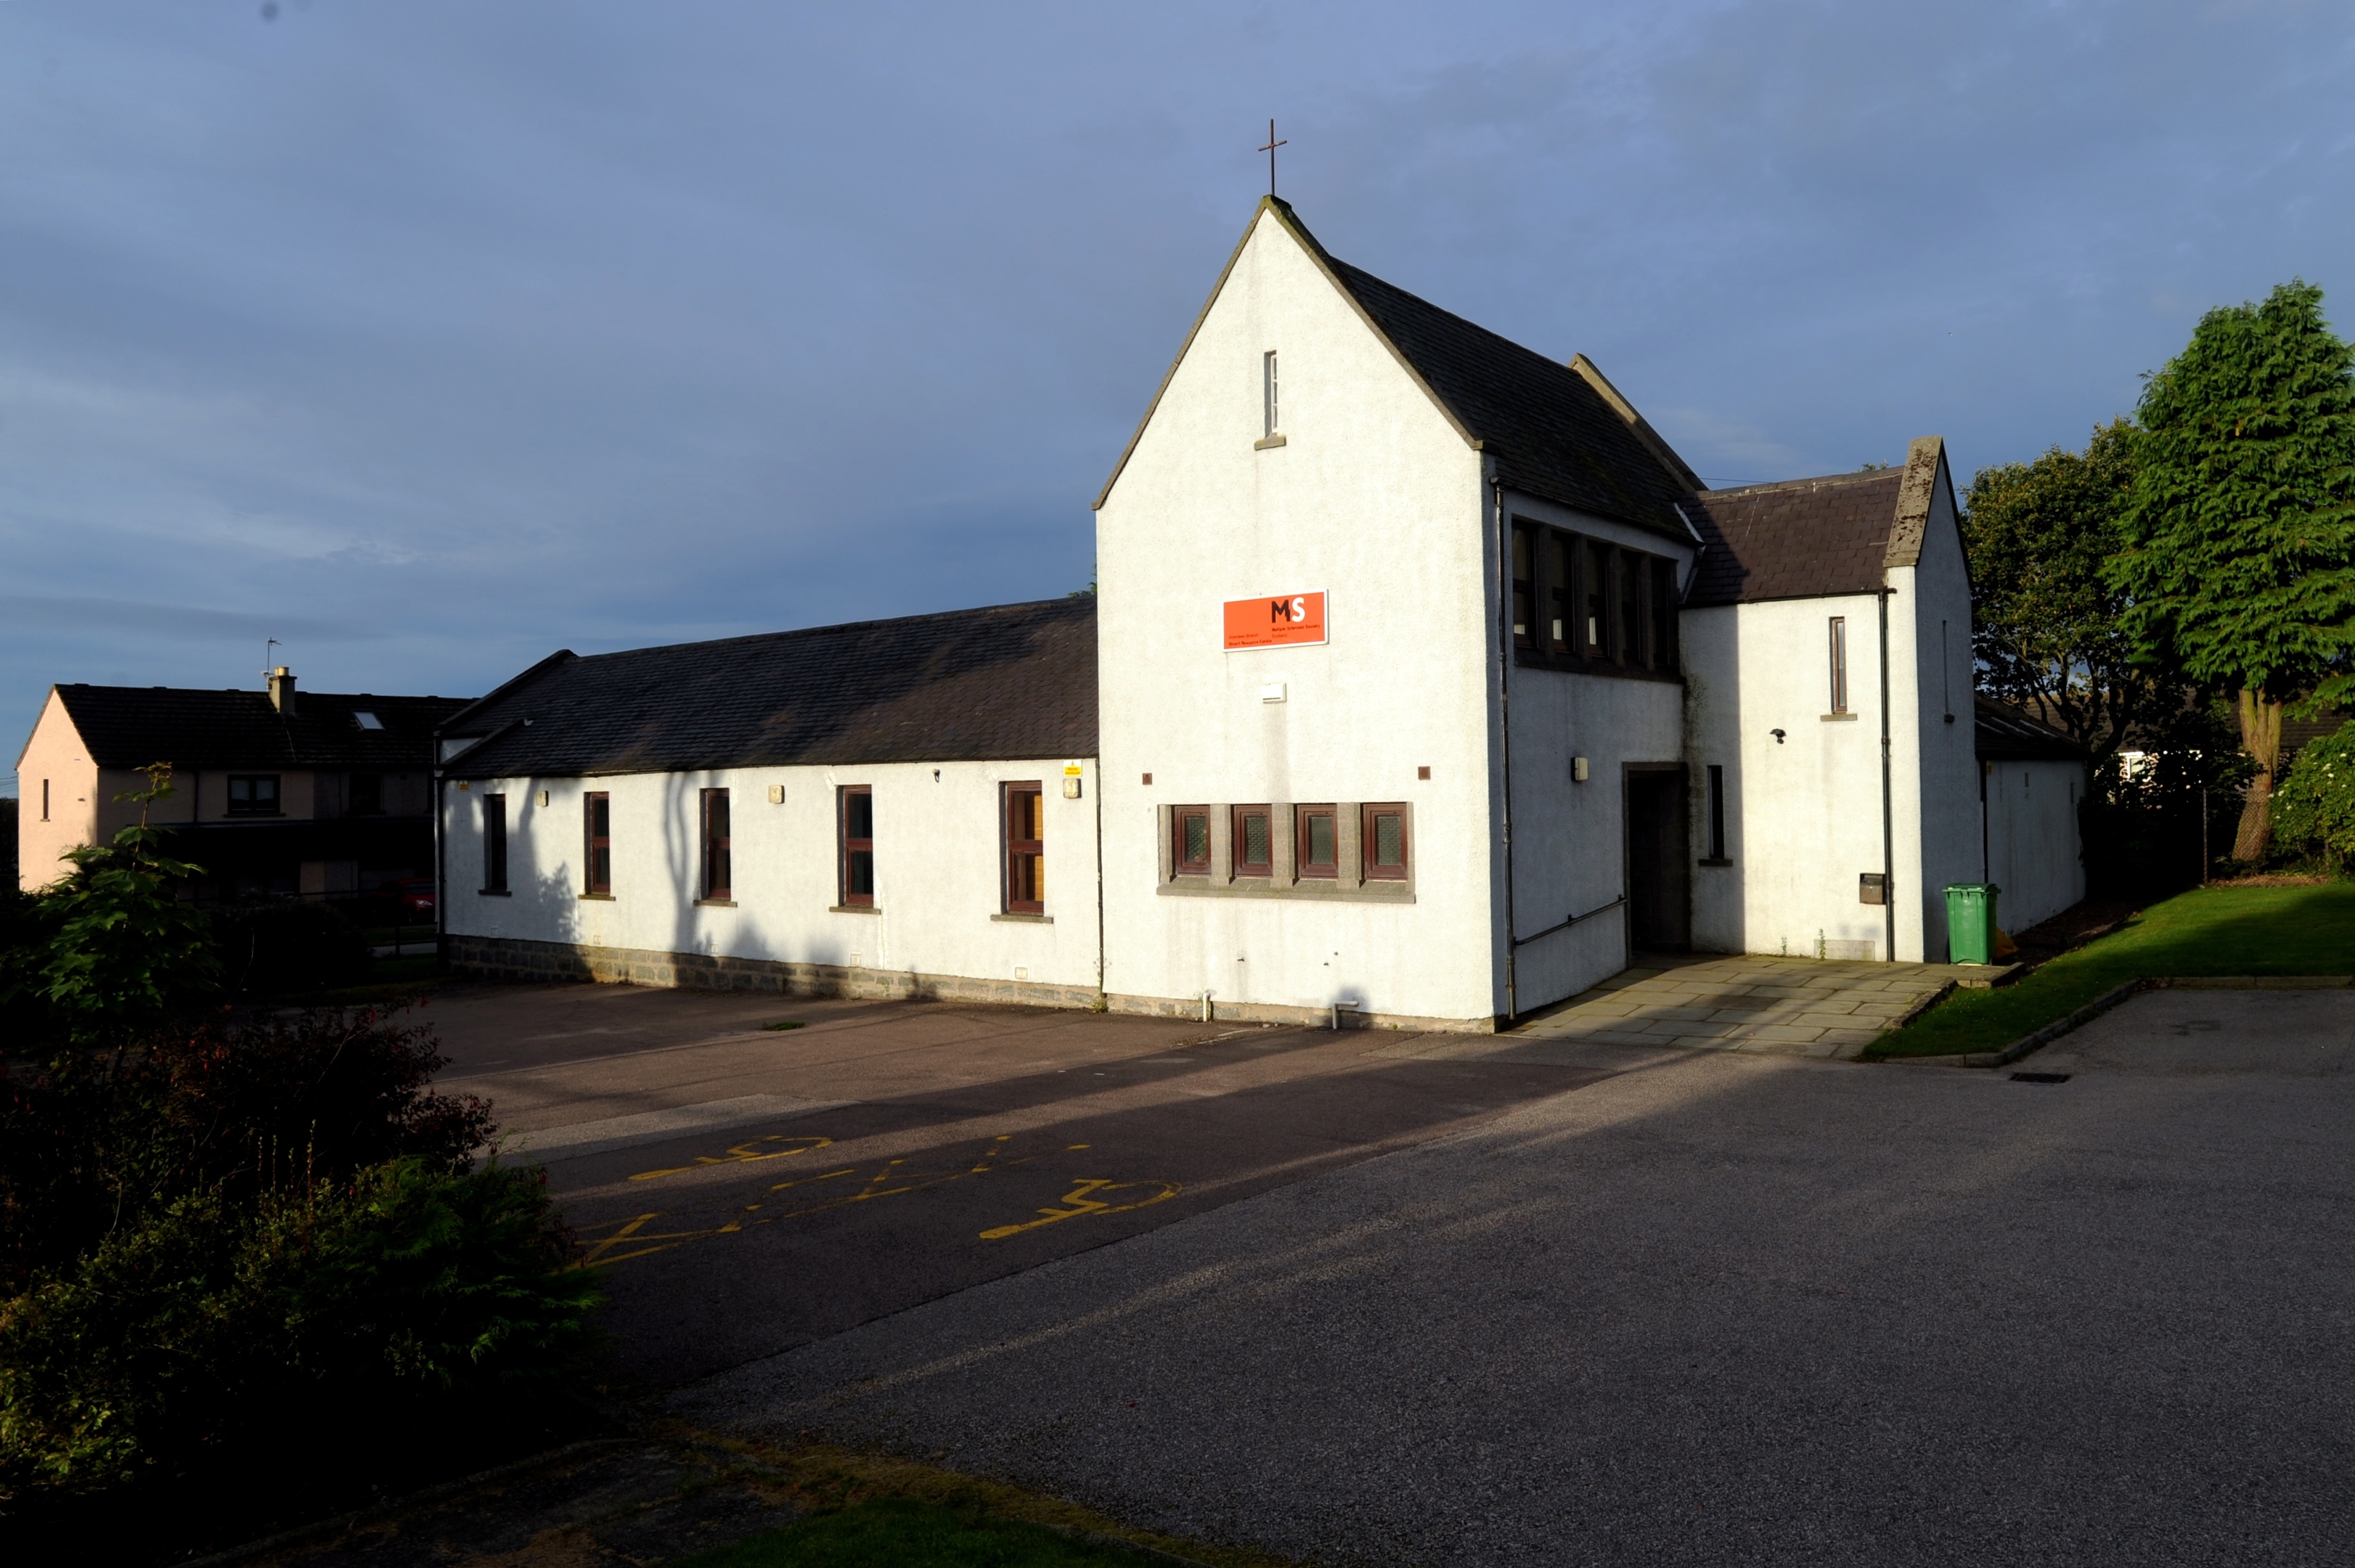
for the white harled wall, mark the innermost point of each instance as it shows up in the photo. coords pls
(1376, 499)
(1570, 838)
(938, 849)
(1937, 777)
(2032, 851)
(1802, 814)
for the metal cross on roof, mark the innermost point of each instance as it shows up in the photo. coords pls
(1270, 150)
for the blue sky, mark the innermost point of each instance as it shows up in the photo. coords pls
(430, 337)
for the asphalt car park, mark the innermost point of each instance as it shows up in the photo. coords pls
(746, 1189)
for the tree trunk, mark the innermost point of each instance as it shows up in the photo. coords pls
(2261, 722)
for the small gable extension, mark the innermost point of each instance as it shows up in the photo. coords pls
(1811, 539)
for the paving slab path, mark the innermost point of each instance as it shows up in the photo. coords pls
(1785, 1006)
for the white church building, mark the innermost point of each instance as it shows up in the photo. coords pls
(1422, 679)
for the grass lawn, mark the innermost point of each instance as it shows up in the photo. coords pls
(2208, 931)
(912, 1532)
(863, 1510)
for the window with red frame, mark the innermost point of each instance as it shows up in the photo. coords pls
(1025, 848)
(1386, 846)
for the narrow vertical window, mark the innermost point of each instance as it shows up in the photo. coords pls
(1524, 588)
(1254, 842)
(1945, 673)
(495, 843)
(1025, 849)
(1386, 845)
(597, 824)
(1628, 570)
(857, 830)
(1267, 393)
(1839, 663)
(1664, 615)
(1561, 609)
(1716, 811)
(1315, 842)
(1597, 586)
(45, 800)
(1190, 849)
(718, 877)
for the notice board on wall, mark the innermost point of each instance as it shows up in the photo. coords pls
(1276, 620)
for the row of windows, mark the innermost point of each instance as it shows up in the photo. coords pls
(1583, 604)
(1318, 851)
(1022, 845)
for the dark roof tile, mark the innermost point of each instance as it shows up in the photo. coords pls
(1008, 681)
(133, 726)
(2003, 734)
(1800, 539)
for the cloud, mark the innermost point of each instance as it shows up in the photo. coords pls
(23, 613)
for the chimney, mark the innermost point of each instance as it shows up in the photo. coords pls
(282, 690)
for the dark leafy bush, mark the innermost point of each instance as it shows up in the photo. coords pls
(97, 1141)
(213, 1336)
(282, 947)
(2315, 809)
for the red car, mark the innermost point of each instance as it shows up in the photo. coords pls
(414, 894)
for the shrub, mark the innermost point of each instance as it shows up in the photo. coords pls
(2314, 807)
(98, 1141)
(213, 1333)
(281, 946)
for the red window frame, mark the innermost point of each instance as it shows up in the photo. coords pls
(719, 867)
(1303, 841)
(857, 858)
(1372, 818)
(1025, 824)
(597, 838)
(1244, 815)
(1181, 863)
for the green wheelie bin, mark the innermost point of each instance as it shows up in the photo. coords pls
(1970, 923)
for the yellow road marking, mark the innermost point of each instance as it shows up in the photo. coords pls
(1083, 1205)
(742, 1153)
(631, 1239)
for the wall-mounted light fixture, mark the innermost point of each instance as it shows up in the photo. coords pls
(1578, 770)
(776, 794)
(1777, 734)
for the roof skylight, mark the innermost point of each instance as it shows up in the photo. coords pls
(366, 720)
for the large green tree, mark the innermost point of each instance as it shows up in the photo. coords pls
(2048, 626)
(2239, 532)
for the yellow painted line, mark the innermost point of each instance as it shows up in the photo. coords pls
(743, 1153)
(1083, 1205)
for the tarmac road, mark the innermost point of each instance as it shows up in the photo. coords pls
(746, 1191)
(1711, 1308)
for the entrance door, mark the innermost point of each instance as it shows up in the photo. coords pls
(1659, 899)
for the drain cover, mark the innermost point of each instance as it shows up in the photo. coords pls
(2039, 1078)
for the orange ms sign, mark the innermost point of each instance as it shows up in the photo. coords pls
(1278, 621)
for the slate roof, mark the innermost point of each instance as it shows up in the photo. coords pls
(1799, 538)
(1007, 681)
(1550, 429)
(132, 726)
(1554, 432)
(2003, 734)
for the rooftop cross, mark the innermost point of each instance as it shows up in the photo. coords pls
(1270, 150)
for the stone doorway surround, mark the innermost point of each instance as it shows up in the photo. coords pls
(1757, 1002)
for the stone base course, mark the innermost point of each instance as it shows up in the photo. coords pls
(515, 958)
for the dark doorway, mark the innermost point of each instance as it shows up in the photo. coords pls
(1659, 895)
